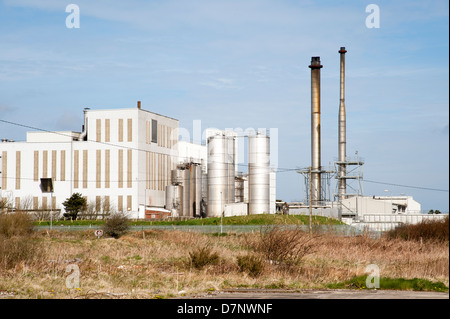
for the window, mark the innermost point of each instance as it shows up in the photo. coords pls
(154, 131)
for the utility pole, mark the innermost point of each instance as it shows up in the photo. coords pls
(221, 213)
(51, 209)
(310, 203)
(1, 179)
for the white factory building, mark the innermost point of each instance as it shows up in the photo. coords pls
(123, 160)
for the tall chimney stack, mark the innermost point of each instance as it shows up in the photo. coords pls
(342, 157)
(139, 104)
(315, 132)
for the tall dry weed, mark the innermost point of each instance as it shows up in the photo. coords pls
(283, 246)
(17, 245)
(427, 230)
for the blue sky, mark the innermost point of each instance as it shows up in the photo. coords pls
(244, 64)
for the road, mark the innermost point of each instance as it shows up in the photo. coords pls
(320, 294)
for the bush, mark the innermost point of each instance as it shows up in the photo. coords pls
(16, 250)
(252, 264)
(15, 224)
(16, 243)
(437, 230)
(203, 256)
(116, 225)
(283, 246)
(3, 204)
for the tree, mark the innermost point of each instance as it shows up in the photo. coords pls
(73, 205)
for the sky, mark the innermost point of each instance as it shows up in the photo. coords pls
(244, 64)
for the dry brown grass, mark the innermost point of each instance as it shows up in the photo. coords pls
(427, 230)
(152, 264)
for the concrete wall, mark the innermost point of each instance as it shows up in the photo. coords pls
(236, 209)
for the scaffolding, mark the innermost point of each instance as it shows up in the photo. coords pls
(326, 178)
(353, 166)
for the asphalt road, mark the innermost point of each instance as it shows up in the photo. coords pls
(321, 294)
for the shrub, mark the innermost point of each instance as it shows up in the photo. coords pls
(16, 250)
(203, 256)
(437, 230)
(16, 243)
(3, 204)
(116, 225)
(283, 246)
(15, 224)
(252, 264)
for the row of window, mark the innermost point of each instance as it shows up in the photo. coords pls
(101, 204)
(159, 134)
(52, 164)
(107, 130)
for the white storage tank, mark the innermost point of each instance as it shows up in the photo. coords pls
(221, 173)
(259, 174)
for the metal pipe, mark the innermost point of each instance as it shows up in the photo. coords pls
(342, 187)
(315, 131)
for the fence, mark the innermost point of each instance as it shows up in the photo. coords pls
(340, 230)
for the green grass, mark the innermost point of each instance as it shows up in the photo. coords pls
(263, 219)
(415, 284)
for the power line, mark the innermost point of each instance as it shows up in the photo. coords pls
(408, 186)
(279, 169)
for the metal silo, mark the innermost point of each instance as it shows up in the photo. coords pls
(258, 174)
(174, 199)
(195, 187)
(220, 173)
(186, 192)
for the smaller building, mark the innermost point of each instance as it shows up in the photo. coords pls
(369, 205)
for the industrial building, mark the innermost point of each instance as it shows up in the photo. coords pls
(130, 160)
(368, 212)
(121, 160)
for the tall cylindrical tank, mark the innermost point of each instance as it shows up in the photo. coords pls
(187, 209)
(220, 172)
(195, 181)
(258, 174)
(174, 199)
